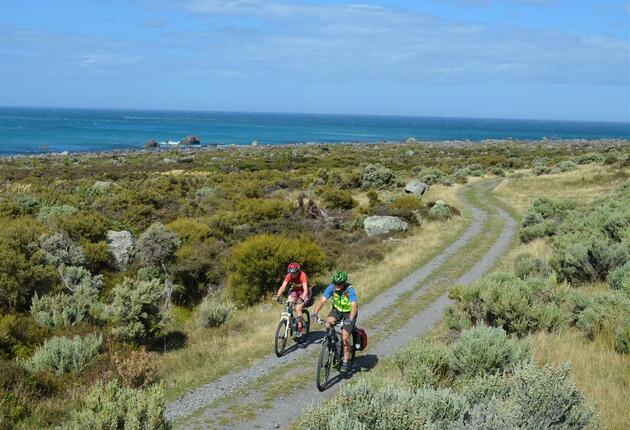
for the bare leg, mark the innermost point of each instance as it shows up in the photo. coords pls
(300, 318)
(346, 345)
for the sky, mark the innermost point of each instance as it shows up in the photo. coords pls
(542, 59)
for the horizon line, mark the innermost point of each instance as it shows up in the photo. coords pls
(627, 122)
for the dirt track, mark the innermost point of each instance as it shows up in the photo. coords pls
(236, 401)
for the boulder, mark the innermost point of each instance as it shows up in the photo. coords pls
(377, 225)
(101, 185)
(411, 140)
(190, 140)
(121, 246)
(151, 144)
(415, 187)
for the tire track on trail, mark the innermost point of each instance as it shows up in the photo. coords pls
(207, 397)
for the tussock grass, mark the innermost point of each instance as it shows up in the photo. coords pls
(601, 374)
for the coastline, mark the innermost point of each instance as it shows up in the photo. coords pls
(192, 149)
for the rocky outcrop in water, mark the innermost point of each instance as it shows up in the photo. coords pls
(190, 140)
(151, 144)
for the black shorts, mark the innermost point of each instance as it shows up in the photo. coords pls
(338, 316)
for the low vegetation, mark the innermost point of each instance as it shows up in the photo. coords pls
(211, 232)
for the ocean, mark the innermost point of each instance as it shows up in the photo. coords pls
(40, 130)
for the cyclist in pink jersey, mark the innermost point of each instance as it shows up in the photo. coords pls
(297, 280)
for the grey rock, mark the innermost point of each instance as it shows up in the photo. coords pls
(190, 140)
(121, 247)
(101, 185)
(415, 187)
(151, 144)
(411, 140)
(377, 225)
(440, 203)
(169, 161)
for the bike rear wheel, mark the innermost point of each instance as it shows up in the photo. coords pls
(306, 327)
(280, 343)
(324, 364)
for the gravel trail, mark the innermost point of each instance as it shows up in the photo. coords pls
(280, 412)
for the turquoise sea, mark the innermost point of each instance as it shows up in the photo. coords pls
(39, 130)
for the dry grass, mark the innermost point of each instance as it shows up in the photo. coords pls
(211, 353)
(584, 184)
(601, 374)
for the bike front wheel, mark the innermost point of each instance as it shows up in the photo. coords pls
(324, 364)
(282, 333)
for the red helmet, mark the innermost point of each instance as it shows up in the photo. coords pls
(293, 268)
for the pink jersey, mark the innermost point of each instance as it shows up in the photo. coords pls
(297, 283)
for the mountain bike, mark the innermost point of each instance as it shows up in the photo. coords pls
(288, 327)
(331, 355)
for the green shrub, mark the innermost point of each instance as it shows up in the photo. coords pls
(440, 212)
(486, 350)
(111, 406)
(96, 255)
(409, 208)
(338, 199)
(136, 310)
(198, 267)
(84, 225)
(67, 310)
(423, 363)
(258, 265)
(19, 336)
(525, 264)
(461, 176)
(619, 279)
(62, 355)
(189, 230)
(376, 176)
(214, 311)
(540, 169)
(263, 210)
(23, 268)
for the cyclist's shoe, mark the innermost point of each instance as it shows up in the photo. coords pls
(297, 335)
(345, 367)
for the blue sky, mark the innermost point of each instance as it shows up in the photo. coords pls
(547, 59)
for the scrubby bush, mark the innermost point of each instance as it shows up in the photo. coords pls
(431, 176)
(60, 250)
(66, 310)
(517, 305)
(541, 169)
(257, 265)
(525, 264)
(622, 337)
(48, 213)
(486, 350)
(529, 397)
(423, 363)
(376, 176)
(23, 268)
(535, 231)
(19, 336)
(110, 406)
(198, 267)
(96, 255)
(591, 157)
(136, 369)
(62, 355)
(440, 212)
(567, 166)
(605, 312)
(136, 311)
(619, 279)
(86, 225)
(189, 230)
(263, 210)
(461, 176)
(157, 245)
(214, 311)
(19, 392)
(338, 199)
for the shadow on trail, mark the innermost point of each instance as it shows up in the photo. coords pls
(314, 337)
(362, 363)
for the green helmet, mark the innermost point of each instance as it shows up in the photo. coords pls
(340, 278)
